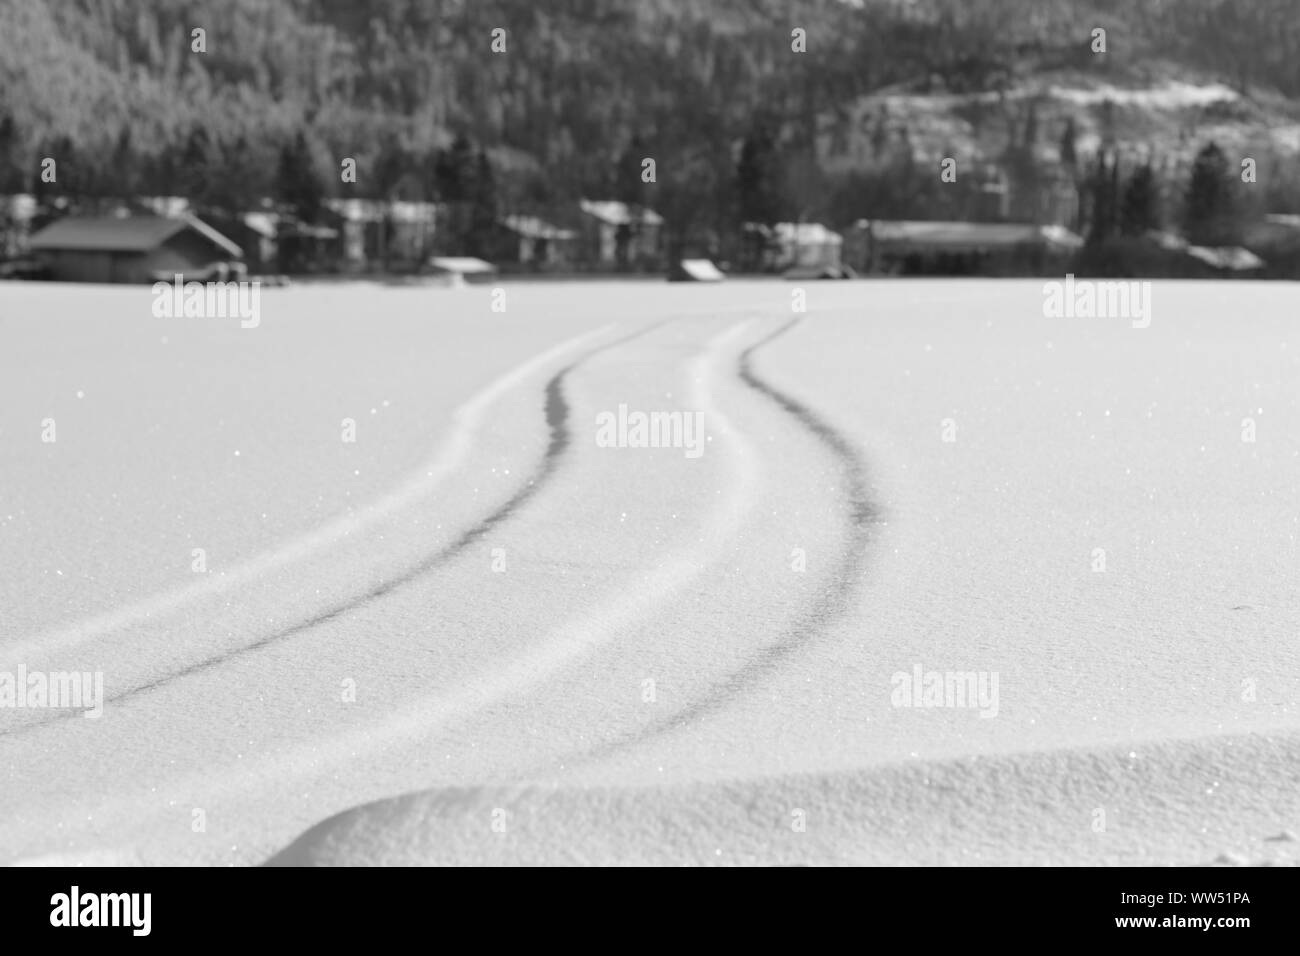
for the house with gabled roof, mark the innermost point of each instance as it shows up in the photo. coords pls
(131, 248)
(614, 234)
(532, 242)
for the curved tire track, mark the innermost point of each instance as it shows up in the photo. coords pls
(556, 410)
(411, 722)
(862, 514)
(426, 478)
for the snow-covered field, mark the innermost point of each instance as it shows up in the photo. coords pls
(479, 634)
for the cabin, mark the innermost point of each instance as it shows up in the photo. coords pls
(361, 231)
(528, 242)
(806, 246)
(131, 248)
(305, 248)
(618, 236)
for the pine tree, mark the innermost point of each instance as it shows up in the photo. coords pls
(198, 170)
(483, 208)
(1102, 189)
(124, 169)
(1140, 208)
(1069, 145)
(1210, 216)
(1030, 140)
(391, 166)
(628, 186)
(12, 179)
(455, 171)
(243, 181)
(880, 134)
(759, 178)
(298, 183)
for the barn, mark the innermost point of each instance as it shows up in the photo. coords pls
(131, 248)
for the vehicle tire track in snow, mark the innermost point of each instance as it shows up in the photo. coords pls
(556, 410)
(563, 645)
(862, 514)
(427, 477)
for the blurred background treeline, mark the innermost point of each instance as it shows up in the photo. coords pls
(1148, 136)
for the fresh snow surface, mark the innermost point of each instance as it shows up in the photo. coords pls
(562, 652)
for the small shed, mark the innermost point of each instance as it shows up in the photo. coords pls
(458, 270)
(694, 270)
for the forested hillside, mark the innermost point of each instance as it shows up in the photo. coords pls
(583, 91)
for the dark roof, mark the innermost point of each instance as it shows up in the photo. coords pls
(123, 233)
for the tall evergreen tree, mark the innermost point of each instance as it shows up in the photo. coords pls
(199, 169)
(299, 184)
(628, 185)
(12, 177)
(483, 208)
(1140, 207)
(1210, 215)
(759, 178)
(1030, 137)
(1069, 145)
(392, 164)
(243, 181)
(124, 166)
(167, 176)
(1102, 190)
(455, 171)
